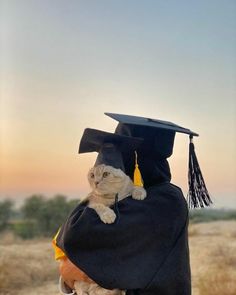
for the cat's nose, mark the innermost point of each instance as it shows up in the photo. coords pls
(96, 183)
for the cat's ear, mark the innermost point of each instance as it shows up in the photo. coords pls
(90, 172)
(118, 173)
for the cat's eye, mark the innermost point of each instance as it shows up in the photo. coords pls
(92, 175)
(105, 174)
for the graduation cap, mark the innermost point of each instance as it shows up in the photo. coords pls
(158, 142)
(109, 146)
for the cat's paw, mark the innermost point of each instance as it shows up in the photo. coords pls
(108, 216)
(139, 193)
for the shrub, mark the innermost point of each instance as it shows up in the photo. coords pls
(25, 229)
(5, 213)
(43, 217)
(208, 215)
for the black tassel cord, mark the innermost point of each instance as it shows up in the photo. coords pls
(117, 208)
(198, 196)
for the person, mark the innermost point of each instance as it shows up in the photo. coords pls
(146, 252)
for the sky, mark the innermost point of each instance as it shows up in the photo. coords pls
(64, 63)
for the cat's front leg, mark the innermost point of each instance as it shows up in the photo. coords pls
(139, 193)
(81, 287)
(106, 214)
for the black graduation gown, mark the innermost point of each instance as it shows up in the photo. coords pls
(144, 252)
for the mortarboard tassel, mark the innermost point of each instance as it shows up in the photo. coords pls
(137, 174)
(198, 195)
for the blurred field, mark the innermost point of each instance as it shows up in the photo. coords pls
(213, 258)
(28, 267)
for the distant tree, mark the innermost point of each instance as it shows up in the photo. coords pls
(32, 207)
(31, 210)
(44, 216)
(53, 214)
(6, 209)
(208, 215)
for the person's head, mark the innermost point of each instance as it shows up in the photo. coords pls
(158, 142)
(152, 153)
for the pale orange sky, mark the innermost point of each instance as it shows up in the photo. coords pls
(63, 68)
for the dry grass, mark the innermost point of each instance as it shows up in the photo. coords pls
(28, 267)
(213, 258)
(233, 234)
(225, 256)
(25, 264)
(192, 231)
(217, 282)
(220, 278)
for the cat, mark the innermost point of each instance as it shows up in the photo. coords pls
(107, 182)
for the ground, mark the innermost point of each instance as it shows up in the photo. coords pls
(28, 267)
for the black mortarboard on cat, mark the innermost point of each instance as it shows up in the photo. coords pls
(158, 142)
(109, 146)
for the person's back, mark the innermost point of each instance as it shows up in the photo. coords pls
(146, 250)
(170, 218)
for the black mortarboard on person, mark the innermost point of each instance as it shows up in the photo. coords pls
(158, 145)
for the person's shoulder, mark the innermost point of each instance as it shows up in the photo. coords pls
(166, 202)
(167, 191)
(166, 187)
(175, 189)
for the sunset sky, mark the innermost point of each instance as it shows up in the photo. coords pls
(64, 63)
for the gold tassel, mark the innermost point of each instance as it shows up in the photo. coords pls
(137, 174)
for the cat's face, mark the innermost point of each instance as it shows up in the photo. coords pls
(105, 179)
